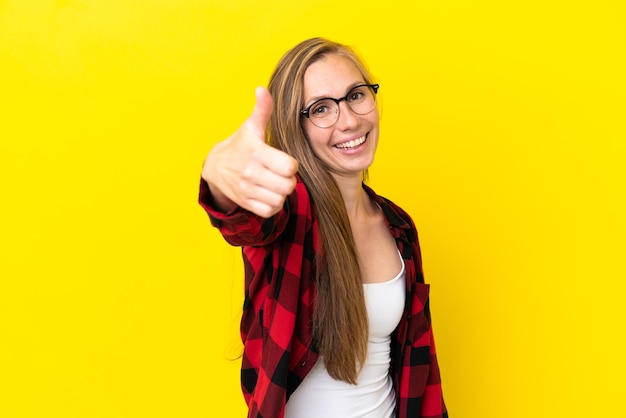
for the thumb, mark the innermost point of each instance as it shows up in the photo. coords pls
(262, 111)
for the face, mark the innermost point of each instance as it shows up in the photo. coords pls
(348, 146)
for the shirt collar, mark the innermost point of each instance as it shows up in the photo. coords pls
(392, 214)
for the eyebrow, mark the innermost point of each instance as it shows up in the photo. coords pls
(350, 87)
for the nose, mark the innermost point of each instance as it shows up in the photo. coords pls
(346, 119)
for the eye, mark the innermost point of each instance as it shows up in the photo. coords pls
(356, 95)
(321, 108)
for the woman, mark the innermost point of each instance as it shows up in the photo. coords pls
(336, 320)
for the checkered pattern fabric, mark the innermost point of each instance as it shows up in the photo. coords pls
(279, 347)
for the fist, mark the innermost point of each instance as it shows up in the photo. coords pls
(244, 171)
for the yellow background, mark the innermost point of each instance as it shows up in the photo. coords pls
(503, 135)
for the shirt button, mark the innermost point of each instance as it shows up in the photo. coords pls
(303, 364)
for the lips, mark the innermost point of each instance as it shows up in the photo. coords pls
(351, 144)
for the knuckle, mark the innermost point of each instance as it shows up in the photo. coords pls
(244, 187)
(249, 172)
(246, 173)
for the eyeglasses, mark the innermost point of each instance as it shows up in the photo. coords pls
(324, 113)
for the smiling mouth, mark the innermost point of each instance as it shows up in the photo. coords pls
(351, 144)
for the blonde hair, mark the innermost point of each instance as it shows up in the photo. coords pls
(340, 317)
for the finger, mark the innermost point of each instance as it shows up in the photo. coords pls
(264, 202)
(262, 209)
(264, 178)
(261, 113)
(278, 161)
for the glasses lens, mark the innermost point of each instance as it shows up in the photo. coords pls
(324, 113)
(361, 100)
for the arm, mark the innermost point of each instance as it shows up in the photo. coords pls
(241, 227)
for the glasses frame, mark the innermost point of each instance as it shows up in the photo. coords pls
(306, 111)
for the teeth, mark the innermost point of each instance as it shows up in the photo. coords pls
(351, 144)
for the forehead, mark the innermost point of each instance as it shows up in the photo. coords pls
(331, 76)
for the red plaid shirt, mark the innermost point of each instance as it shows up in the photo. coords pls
(279, 349)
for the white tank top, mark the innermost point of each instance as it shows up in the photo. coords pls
(321, 396)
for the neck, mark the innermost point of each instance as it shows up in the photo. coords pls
(354, 196)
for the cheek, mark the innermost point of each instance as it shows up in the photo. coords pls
(314, 137)
(375, 118)
(374, 121)
(309, 136)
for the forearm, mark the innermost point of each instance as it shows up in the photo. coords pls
(239, 226)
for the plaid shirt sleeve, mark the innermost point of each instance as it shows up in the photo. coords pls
(240, 227)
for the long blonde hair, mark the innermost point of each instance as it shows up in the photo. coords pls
(340, 317)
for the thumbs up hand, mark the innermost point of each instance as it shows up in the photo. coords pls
(244, 171)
